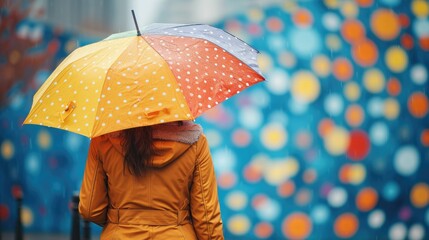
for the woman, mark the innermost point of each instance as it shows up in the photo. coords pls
(152, 183)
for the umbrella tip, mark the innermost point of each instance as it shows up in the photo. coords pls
(135, 22)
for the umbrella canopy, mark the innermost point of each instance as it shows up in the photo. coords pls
(171, 72)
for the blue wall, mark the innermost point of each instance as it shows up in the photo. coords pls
(333, 145)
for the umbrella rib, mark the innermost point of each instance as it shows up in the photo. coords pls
(102, 87)
(169, 69)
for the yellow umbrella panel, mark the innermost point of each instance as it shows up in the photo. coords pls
(128, 84)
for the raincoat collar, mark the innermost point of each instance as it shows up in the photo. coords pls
(188, 132)
(171, 140)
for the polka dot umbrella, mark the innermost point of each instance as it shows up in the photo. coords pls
(168, 72)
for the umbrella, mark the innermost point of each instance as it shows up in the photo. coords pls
(163, 73)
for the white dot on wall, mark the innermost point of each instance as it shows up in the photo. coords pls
(416, 232)
(419, 74)
(376, 218)
(376, 107)
(379, 133)
(331, 21)
(279, 82)
(250, 117)
(406, 160)
(337, 197)
(333, 104)
(397, 231)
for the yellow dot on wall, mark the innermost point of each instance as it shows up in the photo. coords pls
(352, 91)
(27, 216)
(255, 15)
(277, 172)
(420, 8)
(44, 139)
(373, 80)
(349, 9)
(7, 149)
(333, 42)
(236, 200)
(274, 136)
(265, 62)
(391, 108)
(321, 65)
(337, 141)
(420, 195)
(396, 59)
(305, 87)
(332, 3)
(290, 6)
(357, 174)
(239, 224)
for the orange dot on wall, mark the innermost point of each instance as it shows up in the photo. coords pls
(259, 200)
(325, 126)
(286, 189)
(354, 115)
(365, 3)
(420, 195)
(366, 199)
(365, 53)
(385, 24)
(352, 30)
(297, 226)
(252, 173)
(342, 69)
(227, 180)
(393, 87)
(418, 104)
(302, 18)
(274, 24)
(344, 173)
(424, 43)
(407, 41)
(424, 138)
(263, 230)
(404, 20)
(346, 225)
(309, 176)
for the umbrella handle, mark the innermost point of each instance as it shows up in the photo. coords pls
(69, 109)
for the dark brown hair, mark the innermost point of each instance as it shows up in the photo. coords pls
(138, 147)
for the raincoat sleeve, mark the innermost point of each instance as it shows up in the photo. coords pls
(93, 193)
(204, 203)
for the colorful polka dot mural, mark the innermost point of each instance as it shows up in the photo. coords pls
(346, 157)
(335, 143)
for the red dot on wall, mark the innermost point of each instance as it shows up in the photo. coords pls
(4, 212)
(359, 145)
(16, 191)
(407, 41)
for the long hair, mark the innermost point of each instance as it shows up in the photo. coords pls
(138, 147)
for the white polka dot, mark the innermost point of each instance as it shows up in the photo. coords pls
(337, 197)
(397, 231)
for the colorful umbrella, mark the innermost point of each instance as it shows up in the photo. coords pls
(168, 72)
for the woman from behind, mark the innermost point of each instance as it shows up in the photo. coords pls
(155, 182)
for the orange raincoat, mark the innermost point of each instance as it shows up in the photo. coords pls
(175, 198)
